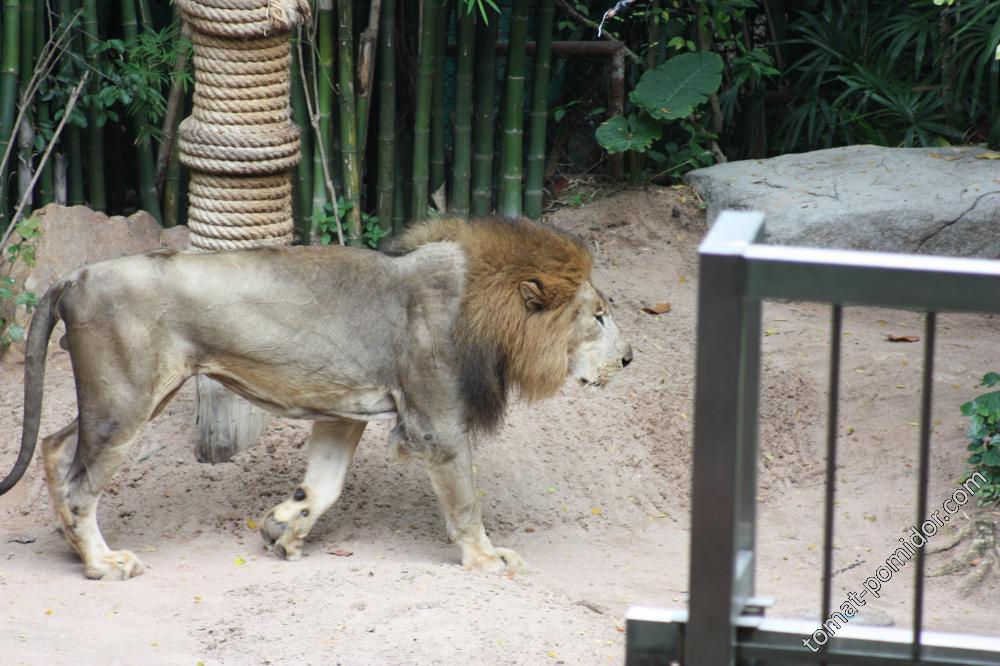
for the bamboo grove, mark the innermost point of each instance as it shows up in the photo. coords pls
(408, 109)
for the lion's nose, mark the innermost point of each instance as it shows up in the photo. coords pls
(627, 358)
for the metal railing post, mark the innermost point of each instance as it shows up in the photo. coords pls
(724, 447)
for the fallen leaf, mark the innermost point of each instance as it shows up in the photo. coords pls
(658, 309)
(49, 612)
(341, 553)
(553, 654)
(529, 529)
(947, 158)
(197, 599)
(240, 561)
(902, 338)
(251, 523)
(596, 511)
(976, 561)
(620, 629)
(988, 155)
(768, 332)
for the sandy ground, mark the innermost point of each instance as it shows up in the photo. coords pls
(592, 487)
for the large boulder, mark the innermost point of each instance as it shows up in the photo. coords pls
(75, 236)
(923, 200)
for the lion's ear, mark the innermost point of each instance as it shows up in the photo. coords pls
(531, 292)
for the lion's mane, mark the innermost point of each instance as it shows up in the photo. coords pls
(502, 345)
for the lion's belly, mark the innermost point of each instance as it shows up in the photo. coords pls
(308, 399)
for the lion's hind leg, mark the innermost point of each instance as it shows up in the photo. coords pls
(456, 491)
(331, 450)
(79, 462)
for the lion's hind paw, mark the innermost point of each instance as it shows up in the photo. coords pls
(501, 560)
(116, 565)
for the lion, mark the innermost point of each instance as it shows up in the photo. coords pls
(437, 338)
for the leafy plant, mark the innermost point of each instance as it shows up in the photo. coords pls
(325, 224)
(27, 229)
(894, 74)
(133, 78)
(672, 92)
(984, 439)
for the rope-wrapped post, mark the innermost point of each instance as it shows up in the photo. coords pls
(240, 146)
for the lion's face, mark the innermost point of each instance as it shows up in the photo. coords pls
(597, 348)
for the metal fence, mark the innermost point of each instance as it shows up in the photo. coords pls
(725, 623)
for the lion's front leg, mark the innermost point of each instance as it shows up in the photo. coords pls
(456, 489)
(331, 450)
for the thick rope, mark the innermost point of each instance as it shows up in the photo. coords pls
(239, 141)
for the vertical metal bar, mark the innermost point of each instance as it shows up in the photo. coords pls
(713, 604)
(746, 480)
(833, 401)
(930, 332)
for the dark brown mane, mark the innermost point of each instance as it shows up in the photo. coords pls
(502, 345)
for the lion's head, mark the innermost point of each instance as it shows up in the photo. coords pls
(529, 316)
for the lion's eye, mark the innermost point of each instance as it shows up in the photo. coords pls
(600, 319)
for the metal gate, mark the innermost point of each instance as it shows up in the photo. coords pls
(725, 623)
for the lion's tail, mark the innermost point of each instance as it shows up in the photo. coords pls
(42, 323)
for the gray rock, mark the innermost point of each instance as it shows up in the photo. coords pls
(75, 236)
(916, 200)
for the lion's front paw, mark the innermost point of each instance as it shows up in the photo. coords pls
(281, 538)
(499, 561)
(116, 565)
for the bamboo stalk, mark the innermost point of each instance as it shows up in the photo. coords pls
(26, 128)
(173, 183)
(366, 77)
(461, 169)
(485, 117)
(304, 169)
(399, 193)
(349, 122)
(437, 173)
(323, 80)
(73, 149)
(513, 117)
(422, 112)
(539, 112)
(149, 197)
(146, 16)
(387, 161)
(95, 133)
(8, 93)
(175, 101)
(46, 182)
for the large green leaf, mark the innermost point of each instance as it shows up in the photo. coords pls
(636, 133)
(676, 87)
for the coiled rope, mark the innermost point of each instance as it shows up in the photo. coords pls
(239, 141)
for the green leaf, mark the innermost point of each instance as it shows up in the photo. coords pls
(676, 87)
(991, 379)
(15, 332)
(5, 292)
(991, 458)
(619, 134)
(27, 298)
